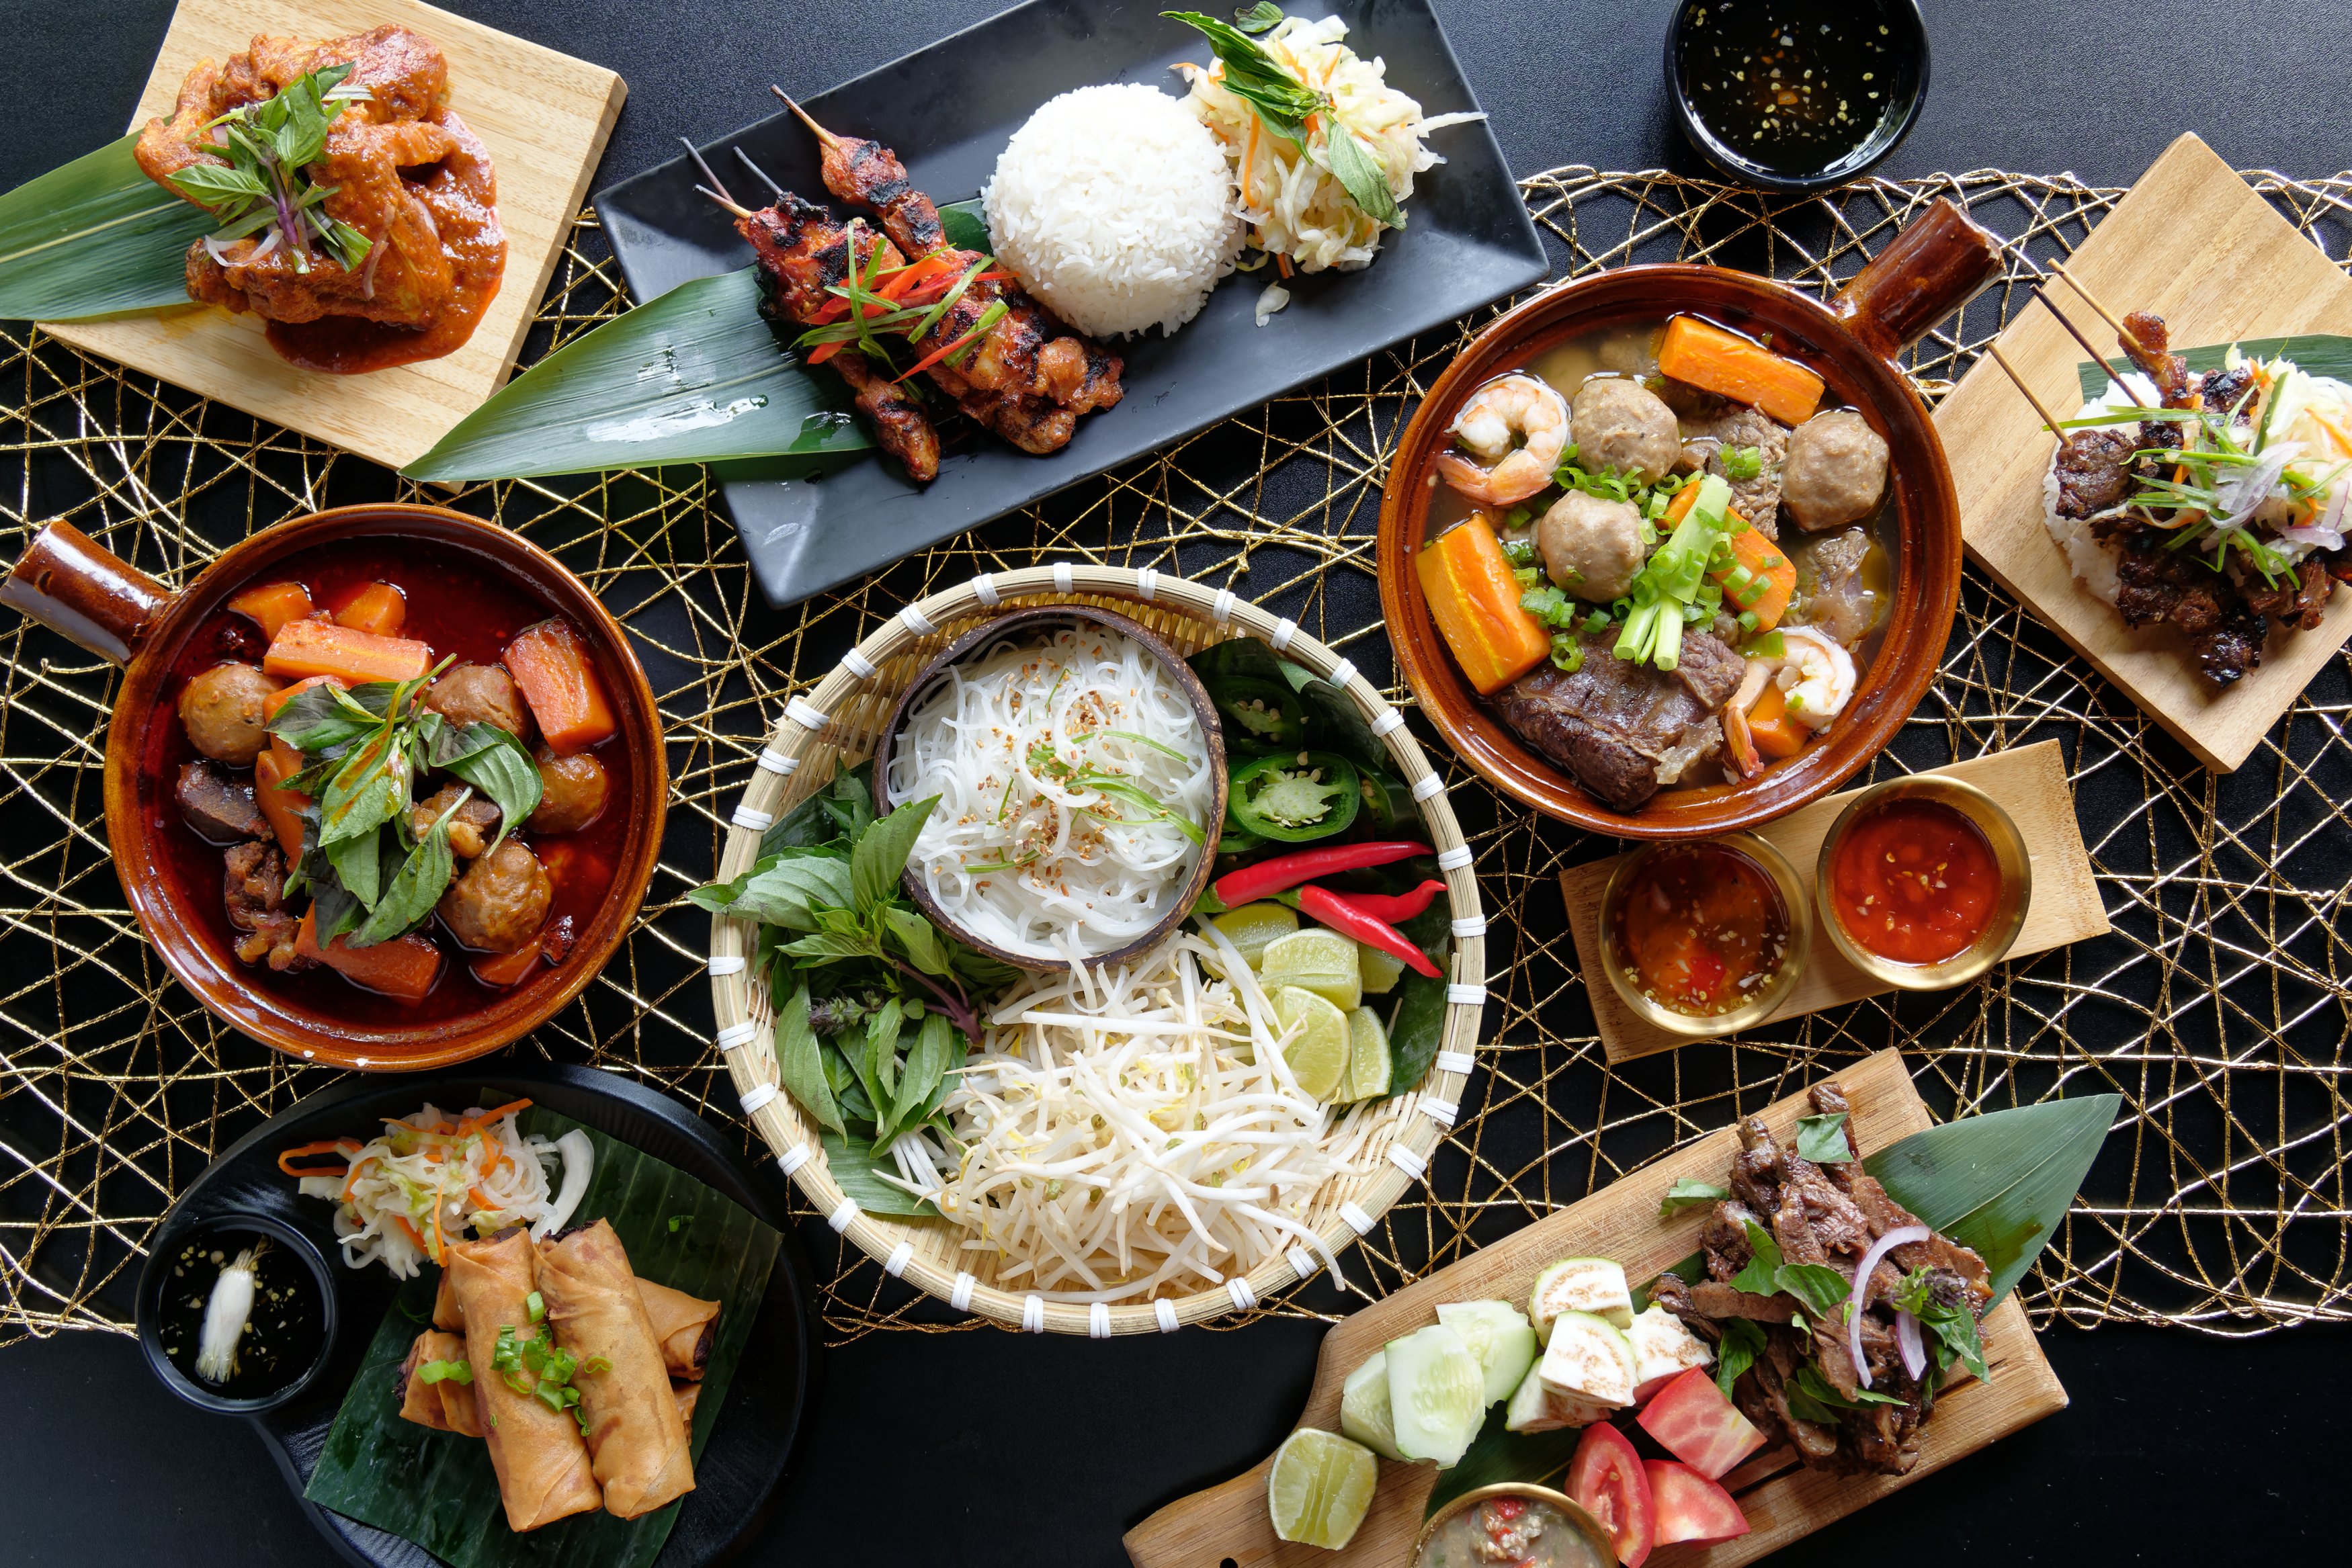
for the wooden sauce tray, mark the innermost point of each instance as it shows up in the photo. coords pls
(1228, 1524)
(2031, 785)
(2195, 243)
(543, 116)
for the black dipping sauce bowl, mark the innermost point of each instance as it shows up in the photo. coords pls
(1816, 125)
(276, 1363)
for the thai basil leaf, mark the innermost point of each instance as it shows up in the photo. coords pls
(881, 1074)
(370, 786)
(1262, 17)
(494, 761)
(1953, 1324)
(1254, 76)
(840, 922)
(1761, 1277)
(1808, 1382)
(1688, 1193)
(416, 887)
(974, 968)
(333, 910)
(857, 1168)
(1821, 1288)
(935, 1050)
(1360, 173)
(824, 946)
(320, 717)
(788, 892)
(919, 941)
(881, 853)
(849, 799)
(1822, 1139)
(359, 865)
(799, 1063)
(1743, 1342)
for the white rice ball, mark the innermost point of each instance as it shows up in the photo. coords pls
(1115, 206)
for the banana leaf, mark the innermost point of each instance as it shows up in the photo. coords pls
(966, 224)
(2000, 1183)
(96, 237)
(697, 376)
(2318, 355)
(436, 1489)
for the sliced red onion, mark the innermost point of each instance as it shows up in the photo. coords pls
(1906, 1339)
(367, 274)
(268, 242)
(214, 248)
(1899, 1236)
(2312, 535)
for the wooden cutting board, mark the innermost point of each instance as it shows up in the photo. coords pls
(544, 118)
(2193, 242)
(2031, 785)
(1227, 1525)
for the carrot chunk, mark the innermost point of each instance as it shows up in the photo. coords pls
(379, 608)
(558, 681)
(1774, 583)
(273, 604)
(1776, 733)
(1725, 363)
(1474, 599)
(284, 695)
(322, 648)
(503, 969)
(404, 967)
(270, 769)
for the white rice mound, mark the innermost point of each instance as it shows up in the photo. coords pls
(1114, 205)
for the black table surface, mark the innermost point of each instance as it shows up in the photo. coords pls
(988, 1448)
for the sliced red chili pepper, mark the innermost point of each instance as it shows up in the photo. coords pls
(1349, 921)
(1239, 887)
(1394, 908)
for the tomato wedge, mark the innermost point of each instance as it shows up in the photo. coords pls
(1689, 1506)
(1607, 1481)
(1699, 1426)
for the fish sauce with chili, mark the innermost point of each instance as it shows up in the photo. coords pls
(1699, 927)
(1794, 87)
(1915, 881)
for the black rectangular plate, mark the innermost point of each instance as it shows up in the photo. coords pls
(948, 110)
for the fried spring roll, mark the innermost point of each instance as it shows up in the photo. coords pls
(635, 1439)
(540, 1459)
(447, 1405)
(685, 1325)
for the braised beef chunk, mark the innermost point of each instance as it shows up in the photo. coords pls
(2094, 472)
(2155, 584)
(218, 805)
(2146, 337)
(2227, 391)
(2338, 564)
(1807, 1386)
(2299, 601)
(1617, 724)
(253, 889)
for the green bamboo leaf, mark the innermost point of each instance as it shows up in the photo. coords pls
(438, 1488)
(694, 377)
(96, 237)
(2316, 355)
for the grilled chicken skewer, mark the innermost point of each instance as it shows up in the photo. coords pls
(1032, 374)
(803, 253)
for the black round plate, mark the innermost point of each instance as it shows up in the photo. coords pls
(760, 1429)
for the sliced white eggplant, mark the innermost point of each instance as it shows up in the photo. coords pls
(1663, 1350)
(1587, 1358)
(1592, 1285)
(1534, 1408)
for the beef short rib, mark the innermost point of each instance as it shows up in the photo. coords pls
(1613, 721)
(218, 806)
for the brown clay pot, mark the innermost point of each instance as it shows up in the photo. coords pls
(1204, 715)
(76, 587)
(1939, 260)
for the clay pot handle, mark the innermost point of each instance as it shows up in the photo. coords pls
(1930, 269)
(77, 588)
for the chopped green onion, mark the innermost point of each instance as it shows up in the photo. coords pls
(1748, 620)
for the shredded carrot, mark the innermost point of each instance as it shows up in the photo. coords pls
(402, 1221)
(342, 1145)
(358, 1171)
(2335, 431)
(1281, 261)
(482, 1199)
(1249, 156)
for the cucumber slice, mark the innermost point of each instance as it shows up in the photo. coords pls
(1382, 969)
(1587, 1358)
(1364, 1407)
(1663, 1350)
(1534, 1408)
(1436, 1394)
(1592, 1285)
(1499, 1335)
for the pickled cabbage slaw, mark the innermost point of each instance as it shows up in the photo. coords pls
(428, 1178)
(1134, 1132)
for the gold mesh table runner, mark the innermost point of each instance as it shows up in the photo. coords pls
(2218, 1007)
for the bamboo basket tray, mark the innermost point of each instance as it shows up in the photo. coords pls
(841, 719)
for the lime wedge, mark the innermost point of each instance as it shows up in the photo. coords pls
(1319, 1488)
(1382, 970)
(1317, 1051)
(1253, 926)
(1368, 1056)
(1321, 961)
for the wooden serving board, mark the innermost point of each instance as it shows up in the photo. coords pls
(2031, 785)
(1228, 1524)
(2193, 242)
(544, 118)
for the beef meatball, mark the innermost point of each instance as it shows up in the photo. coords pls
(480, 694)
(1590, 547)
(500, 901)
(221, 710)
(1835, 472)
(469, 830)
(1621, 425)
(571, 792)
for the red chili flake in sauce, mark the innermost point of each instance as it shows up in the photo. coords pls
(1699, 928)
(1915, 882)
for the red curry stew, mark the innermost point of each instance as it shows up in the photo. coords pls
(382, 611)
(1915, 881)
(1699, 928)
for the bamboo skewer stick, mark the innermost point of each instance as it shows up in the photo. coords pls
(2088, 347)
(716, 190)
(823, 135)
(2093, 301)
(759, 174)
(2048, 418)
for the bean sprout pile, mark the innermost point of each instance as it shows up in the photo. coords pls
(1134, 1133)
(1073, 792)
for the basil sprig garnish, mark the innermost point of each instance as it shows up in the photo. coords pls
(373, 877)
(266, 183)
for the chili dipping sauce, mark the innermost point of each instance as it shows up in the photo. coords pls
(1915, 881)
(1699, 927)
